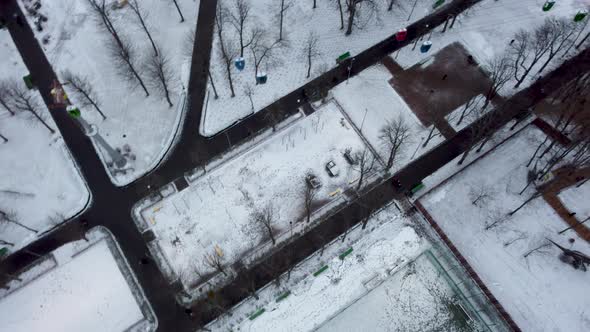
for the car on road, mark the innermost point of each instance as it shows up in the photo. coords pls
(332, 168)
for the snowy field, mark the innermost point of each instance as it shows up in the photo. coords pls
(86, 291)
(531, 289)
(576, 199)
(79, 44)
(39, 184)
(370, 101)
(486, 30)
(286, 67)
(215, 212)
(387, 282)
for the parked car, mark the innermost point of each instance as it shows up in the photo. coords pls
(313, 181)
(332, 168)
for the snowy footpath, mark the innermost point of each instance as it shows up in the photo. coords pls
(81, 286)
(77, 43)
(215, 214)
(40, 185)
(512, 254)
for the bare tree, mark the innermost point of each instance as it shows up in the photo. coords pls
(215, 261)
(530, 47)
(352, 7)
(309, 194)
(469, 106)
(227, 49)
(10, 217)
(160, 75)
(6, 243)
(338, 4)
(124, 57)
(4, 138)
(495, 219)
(284, 6)
(102, 13)
(179, 11)
(262, 51)
(83, 90)
(212, 83)
(311, 50)
(394, 135)
(24, 100)
(480, 131)
(365, 164)
(500, 72)
(189, 43)
(5, 95)
(264, 219)
(560, 35)
(249, 91)
(480, 194)
(141, 16)
(239, 19)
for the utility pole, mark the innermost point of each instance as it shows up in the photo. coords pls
(92, 131)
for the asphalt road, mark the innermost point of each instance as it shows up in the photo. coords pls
(111, 205)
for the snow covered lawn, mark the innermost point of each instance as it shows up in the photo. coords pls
(214, 212)
(370, 101)
(79, 45)
(288, 67)
(576, 199)
(86, 291)
(540, 292)
(40, 185)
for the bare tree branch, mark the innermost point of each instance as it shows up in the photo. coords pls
(160, 75)
(134, 5)
(83, 90)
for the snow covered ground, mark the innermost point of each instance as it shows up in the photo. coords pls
(531, 289)
(84, 289)
(370, 101)
(78, 43)
(576, 199)
(287, 68)
(387, 282)
(215, 211)
(486, 30)
(40, 185)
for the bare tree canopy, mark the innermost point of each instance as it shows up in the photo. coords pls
(500, 72)
(364, 164)
(264, 220)
(227, 48)
(141, 16)
(26, 101)
(394, 135)
(160, 75)
(311, 50)
(124, 57)
(352, 6)
(10, 217)
(262, 51)
(239, 18)
(83, 91)
(5, 96)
